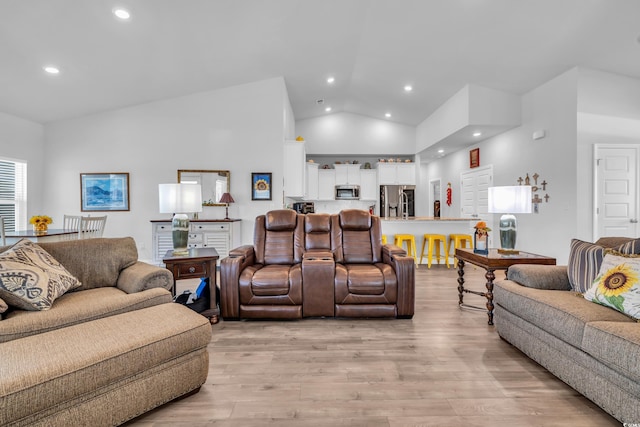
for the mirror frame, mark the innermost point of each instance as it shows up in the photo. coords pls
(219, 172)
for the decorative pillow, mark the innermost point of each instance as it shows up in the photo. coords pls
(3, 306)
(618, 284)
(631, 247)
(585, 259)
(30, 278)
(584, 263)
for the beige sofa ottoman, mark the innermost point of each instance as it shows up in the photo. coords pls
(105, 371)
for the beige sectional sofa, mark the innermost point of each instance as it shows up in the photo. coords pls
(105, 352)
(592, 348)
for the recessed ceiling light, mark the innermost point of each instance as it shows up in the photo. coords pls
(121, 13)
(51, 69)
(387, 115)
(327, 109)
(331, 80)
(477, 134)
(441, 151)
(408, 88)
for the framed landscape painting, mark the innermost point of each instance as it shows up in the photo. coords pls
(104, 192)
(261, 186)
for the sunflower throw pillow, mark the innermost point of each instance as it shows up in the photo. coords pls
(618, 284)
(30, 278)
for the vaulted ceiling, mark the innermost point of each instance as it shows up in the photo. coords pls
(373, 48)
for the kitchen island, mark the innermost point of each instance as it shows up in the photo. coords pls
(421, 225)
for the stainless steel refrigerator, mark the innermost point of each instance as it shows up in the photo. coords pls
(397, 201)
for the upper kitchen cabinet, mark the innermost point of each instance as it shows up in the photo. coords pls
(294, 169)
(326, 184)
(312, 182)
(396, 173)
(347, 174)
(368, 185)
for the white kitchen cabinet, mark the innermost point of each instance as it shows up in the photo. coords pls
(311, 192)
(294, 169)
(326, 184)
(347, 174)
(396, 173)
(406, 173)
(368, 185)
(223, 235)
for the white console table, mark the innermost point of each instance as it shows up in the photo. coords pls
(221, 234)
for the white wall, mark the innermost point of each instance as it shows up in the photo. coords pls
(23, 140)
(608, 113)
(347, 133)
(513, 154)
(240, 129)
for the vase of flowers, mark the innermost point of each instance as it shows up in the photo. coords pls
(481, 238)
(40, 223)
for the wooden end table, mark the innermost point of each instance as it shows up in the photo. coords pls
(198, 263)
(492, 262)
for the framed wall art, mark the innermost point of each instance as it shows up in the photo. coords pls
(474, 158)
(104, 192)
(261, 186)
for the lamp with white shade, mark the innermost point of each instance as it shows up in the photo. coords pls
(180, 200)
(509, 200)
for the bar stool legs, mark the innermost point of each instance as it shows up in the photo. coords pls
(434, 240)
(410, 240)
(459, 241)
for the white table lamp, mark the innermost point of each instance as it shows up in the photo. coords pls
(180, 199)
(509, 200)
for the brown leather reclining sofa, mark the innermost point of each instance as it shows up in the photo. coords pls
(317, 265)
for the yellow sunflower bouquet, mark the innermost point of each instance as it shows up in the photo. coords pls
(40, 222)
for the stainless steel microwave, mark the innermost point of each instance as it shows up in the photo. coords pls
(347, 192)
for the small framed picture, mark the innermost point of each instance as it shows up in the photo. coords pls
(104, 192)
(474, 158)
(261, 186)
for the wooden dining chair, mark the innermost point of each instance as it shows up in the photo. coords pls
(92, 226)
(71, 223)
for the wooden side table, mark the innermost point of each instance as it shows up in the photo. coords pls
(198, 263)
(492, 262)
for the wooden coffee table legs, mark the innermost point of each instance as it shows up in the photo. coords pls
(490, 276)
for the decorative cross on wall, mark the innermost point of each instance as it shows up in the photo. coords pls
(536, 200)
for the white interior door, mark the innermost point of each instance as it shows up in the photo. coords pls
(616, 190)
(474, 194)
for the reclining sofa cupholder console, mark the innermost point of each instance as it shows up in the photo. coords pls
(317, 265)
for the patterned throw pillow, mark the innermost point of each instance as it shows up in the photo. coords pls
(584, 263)
(585, 259)
(618, 284)
(30, 278)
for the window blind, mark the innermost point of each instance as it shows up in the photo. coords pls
(13, 194)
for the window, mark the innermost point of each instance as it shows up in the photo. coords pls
(13, 194)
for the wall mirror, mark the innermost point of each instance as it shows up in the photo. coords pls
(214, 184)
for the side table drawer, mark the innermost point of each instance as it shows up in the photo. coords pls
(192, 270)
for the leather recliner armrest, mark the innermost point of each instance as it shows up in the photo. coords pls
(405, 269)
(230, 269)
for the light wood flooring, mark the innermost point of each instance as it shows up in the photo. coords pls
(444, 367)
